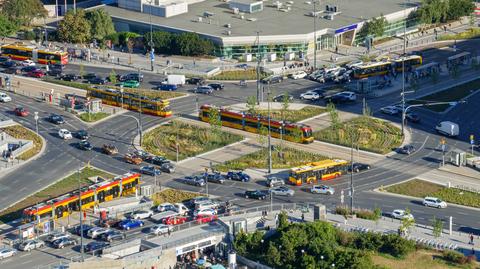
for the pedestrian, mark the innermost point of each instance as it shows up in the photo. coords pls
(118, 60)
(169, 232)
(303, 217)
(336, 49)
(471, 239)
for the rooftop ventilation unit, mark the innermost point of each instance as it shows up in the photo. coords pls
(330, 8)
(290, 2)
(228, 25)
(251, 19)
(308, 2)
(329, 17)
(235, 10)
(228, 32)
(200, 19)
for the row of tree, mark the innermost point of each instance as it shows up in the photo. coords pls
(189, 44)
(81, 27)
(17, 14)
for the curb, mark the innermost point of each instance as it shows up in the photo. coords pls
(214, 150)
(90, 124)
(348, 148)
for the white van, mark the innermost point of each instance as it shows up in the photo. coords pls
(448, 128)
(434, 202)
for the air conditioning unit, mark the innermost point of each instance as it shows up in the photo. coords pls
(290, 2)
(228, 32)
(329, 17)
(327, 8)
(235, 10)
(200, 19)
(228, 25)
(334, 9)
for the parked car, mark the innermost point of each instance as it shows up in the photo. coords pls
(81, 134)
(8, 64)
(358, 167)
(165, 207)
(160, 229)
(16, 70)
(4, 59)
(70, 77)
(243, 66)
(312, 96)
(167, 167)
(97, 80)
(130, 158)
(150, 170)
(132, 76)
(167, 87)
(130, 84)
(97, 231)
(55, 236)
(342, 97)
(298, 75)
(28, 63)
(95, 247)
(282, 191)
(65, 134)
(256, 194)
(205, 212)
(141, 214)
(4, 98)
(36, 74)
(401, 214)
(194, 180)
(203, 90)
(174, 220)
(434, 202)
(354, 64)
(112, 236)
(27, 69)
(275, 181)
(55, 73)
(85, 145)
(322, 189)
(281, 98)
(390, 110)
(201, 219)
(215, 178)
(6, 252)
(64, 242)
(407, 149)
(157, 160)
(85, 229)
(109, 222)
(21, 111)
(272, 80)
(238, 176)
(109, 149)
(196, 81)
(56, 119)
(130, 224)
(216, 86)
(89, 76)
(412, 117)
(31, 244)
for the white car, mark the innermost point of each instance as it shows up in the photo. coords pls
(282, 191)
(205, 212)
(298, 75)
(56, 236)
(165, 207)
(65, 134)
(401, 214)
(6, 252)
(30, 245)
(354, 64)
(28, 63)
(141, 214)
(5, 98)
(97, 231)
(160, 229)
(349, 95)
(390, 110)
(434, 202)
(322, 189)
(313, 96)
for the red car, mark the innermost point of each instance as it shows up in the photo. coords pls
(201, 219)
(36, 74)
(20, 111)
(174, 220)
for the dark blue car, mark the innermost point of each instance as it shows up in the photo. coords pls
(238, 176)
(130, 224)
(167, 87)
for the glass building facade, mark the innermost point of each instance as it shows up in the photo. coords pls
(238, 51)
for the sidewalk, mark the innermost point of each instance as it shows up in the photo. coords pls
(443, 177)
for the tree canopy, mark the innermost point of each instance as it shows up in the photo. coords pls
(375, 27)
(437, 11)
(101, 24)
(74, 27)
(22, 12)
(187, 44)
(7, 27)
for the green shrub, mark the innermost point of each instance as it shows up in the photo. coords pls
(345, 239)
(368, 241)
(29, 35)
(367, 214)
(396, 245)
(453, 256)
(342, 210)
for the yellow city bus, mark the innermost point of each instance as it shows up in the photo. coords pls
(132, 101)
(411, 61)
(372, 69)
(19, 51)
(315, 171)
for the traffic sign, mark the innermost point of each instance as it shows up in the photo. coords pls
(342, 200)
(472, 140)
(36, 115)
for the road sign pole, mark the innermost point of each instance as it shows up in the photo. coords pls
(472, 141)
(36, 121)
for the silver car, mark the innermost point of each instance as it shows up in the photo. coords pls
(203, 89)
(283, 191)
(322, 189)
(30, 245)
(6, 252)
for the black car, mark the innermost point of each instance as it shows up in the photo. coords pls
(8, 64)
(60, 67)
(132, 76)
(358, 167)
(81, 134)
(56, 119)
(216, 86)
(196, 81)
(27, 69)
(272, 80)
(281, 97)
(112, 236)
(157, 160)
(89, 76)
(85, 229)
(407, 149)
(194, 180)
(55, 73)
(95, 247)
(337, 99)
(70, 77)
(85, 145)
(216, 178)
(13, 70)
(97, 80)
(260, 195)
(64, 242)
(238, 176)
(4, 59)
(412, 117)
(167, 167)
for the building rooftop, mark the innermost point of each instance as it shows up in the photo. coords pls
(291, 19)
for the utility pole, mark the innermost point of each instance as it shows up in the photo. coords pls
(258, 67)
(140, 112)
(351, 175)
(81, 214)
(152, 50)
(269, 136)
(314, 34)
(403, 67)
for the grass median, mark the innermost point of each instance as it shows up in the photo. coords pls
(370, 134)
(191, 139)
(93, 117)
(173, 196)
(258, 159)
(249, 74)
(452, 94)
(65, 185)
(294, 115)
(420, 188)
(20, 132)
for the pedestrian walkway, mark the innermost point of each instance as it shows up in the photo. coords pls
(447, 178)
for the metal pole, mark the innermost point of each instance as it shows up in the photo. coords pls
(151, 37)
(269, 137)
(140, 112)
(81, 214)
(271, 200)
(314, 34)
(56, 9)
(403, 68)
(351, 176)
(36, 126)
(258, 68)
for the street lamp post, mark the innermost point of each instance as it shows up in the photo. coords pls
(351, 176)
(315, 34)
(36, 121)
(81, 213)
(152, 50)
(121, 91)
(269, 137)
(259, 57)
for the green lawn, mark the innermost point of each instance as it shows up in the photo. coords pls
(249, 74)
(258, 159)
(173, 196)
(420, 188)
(449, 95)
(93, 117)
(20, 132)
(469, 34)
(372, 134)
(192, 140)
(294, 115)
(65, 185)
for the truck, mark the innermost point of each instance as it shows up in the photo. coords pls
(448, 128)
(159, 217)
(175, 80)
